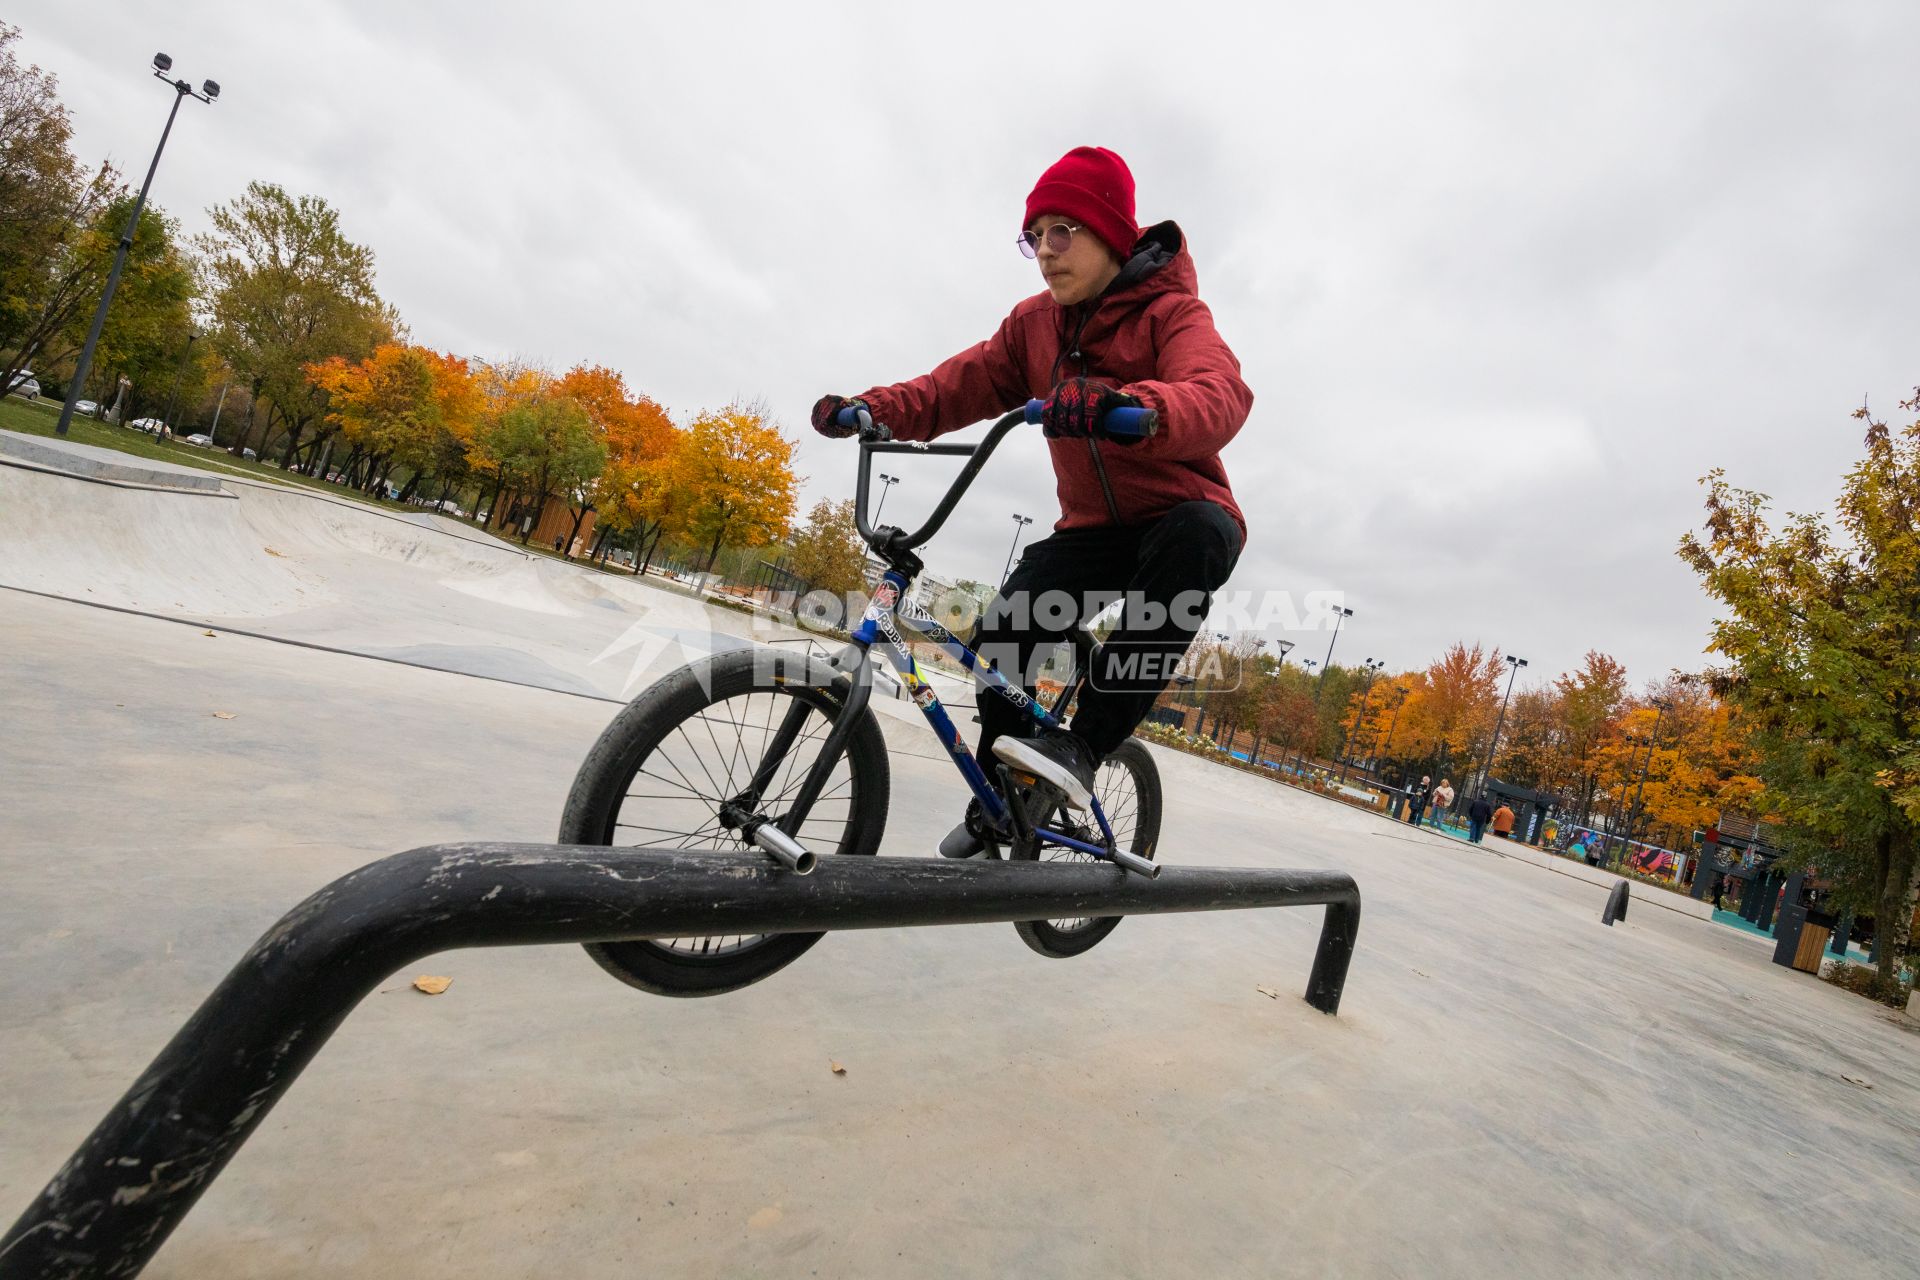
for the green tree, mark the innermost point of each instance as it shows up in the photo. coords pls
(545, 446)
(56, 244)
(1822, 642)
(287, 289)
(146, 338)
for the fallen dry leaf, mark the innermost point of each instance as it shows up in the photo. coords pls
(1268, 992)
(209, 633)
(1855, 1080)
(270, 551)
(431, 985)
(223, 715)
(837, 1068)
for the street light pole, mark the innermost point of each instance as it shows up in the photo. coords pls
(1514, 664)
(181, 92)
(886, 484)
(1020, 522)
(1340, 614)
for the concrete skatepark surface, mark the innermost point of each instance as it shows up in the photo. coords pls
(1510, 1088)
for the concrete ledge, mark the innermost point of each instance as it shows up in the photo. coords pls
(19, 451)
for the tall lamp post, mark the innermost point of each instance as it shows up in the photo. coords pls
(886, 483)
(1283, 648)
(1340, 614)
(1020, 523)
(207, 92)
(1513, 664)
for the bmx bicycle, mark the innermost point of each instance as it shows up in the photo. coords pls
(780, 751)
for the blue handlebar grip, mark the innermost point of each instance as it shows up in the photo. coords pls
(1132, 423)
(848, 417)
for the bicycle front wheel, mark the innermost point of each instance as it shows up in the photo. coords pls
(663, 769)
(1128, 789)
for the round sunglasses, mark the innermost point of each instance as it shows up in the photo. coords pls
(1058, 237)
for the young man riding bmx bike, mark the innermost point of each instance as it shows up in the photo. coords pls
(1150, 520)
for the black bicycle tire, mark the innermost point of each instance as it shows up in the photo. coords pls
(593, 807)
(1060, 944)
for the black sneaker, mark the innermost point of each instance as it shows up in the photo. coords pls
(1059, 758)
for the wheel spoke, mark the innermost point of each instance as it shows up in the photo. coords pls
(694, 779)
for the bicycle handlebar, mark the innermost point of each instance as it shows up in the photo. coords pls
(1127, 423)
(1121, 424)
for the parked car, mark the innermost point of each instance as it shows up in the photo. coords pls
(25, 384)
(88, 407)
(152, 426)
(200, 439)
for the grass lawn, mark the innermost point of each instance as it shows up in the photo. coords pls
(37, 418)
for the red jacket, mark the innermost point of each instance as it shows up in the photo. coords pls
(1151, 336)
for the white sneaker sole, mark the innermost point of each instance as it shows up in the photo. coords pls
(1021, 755)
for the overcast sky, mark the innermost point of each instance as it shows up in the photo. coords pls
(1506, 279)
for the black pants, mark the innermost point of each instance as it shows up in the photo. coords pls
(1166, 570)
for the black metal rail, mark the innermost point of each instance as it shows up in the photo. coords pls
(136, 1176)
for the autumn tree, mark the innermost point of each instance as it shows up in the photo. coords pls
(387, 407)
(1451, 719)
(1288, 715)
(827, 551)
(738, 472)
(638, 437)
(287, 290)
(56, 235)
(1821, 638)
(1591, 700)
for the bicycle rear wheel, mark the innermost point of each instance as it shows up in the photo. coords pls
(1128, 789)
(663, 768)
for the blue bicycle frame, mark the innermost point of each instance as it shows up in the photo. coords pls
(890, 608)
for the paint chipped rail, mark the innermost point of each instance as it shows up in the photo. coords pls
(114, 1202)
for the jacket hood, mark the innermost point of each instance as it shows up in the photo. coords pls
(1160, 264)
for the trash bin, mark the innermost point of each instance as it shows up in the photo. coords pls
(1815, 934)
(1813, 945)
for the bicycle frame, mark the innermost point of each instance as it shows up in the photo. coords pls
(887, 611)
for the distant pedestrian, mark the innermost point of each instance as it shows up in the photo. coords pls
(1479, 813)
(1503, 821)
(1417, 799)
(1442, 800)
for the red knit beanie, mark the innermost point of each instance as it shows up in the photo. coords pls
(1095, 187)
